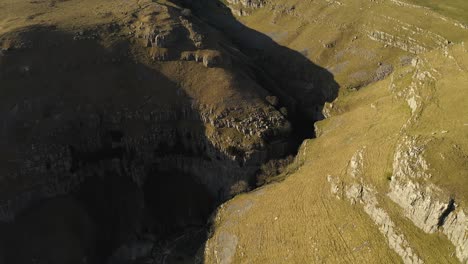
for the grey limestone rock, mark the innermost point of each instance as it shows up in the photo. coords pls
(427, 206)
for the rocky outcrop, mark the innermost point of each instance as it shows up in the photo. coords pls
(455, 226)
(244, 7)
(407, 37)
(183, 38)
(226, 247)
(133, 133)
(408, 45)
(59, 169)
(396, 240)
(428, 207)
(209, 58)
(222, 247)
(357, 192)
(248, 3)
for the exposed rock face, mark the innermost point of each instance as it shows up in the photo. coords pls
(249, 3)
(357, 192)
(108, 137)
(156, 93)
(454, 227)
(403, 44)
(243, 7)
(425, 204)
(183, 38)
(226, 248)
(396, 240)
(420, 207)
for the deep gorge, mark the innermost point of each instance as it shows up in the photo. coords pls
(123, 165)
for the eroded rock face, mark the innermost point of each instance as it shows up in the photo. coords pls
(94, 106)
(454, 227)
(244, 7)
(226, 248)
(428, 207)
(358, 192)
(77, 138)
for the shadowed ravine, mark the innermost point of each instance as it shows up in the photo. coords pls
(302, 86)
(112, 160)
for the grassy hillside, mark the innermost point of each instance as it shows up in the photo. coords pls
(456, 9)
(353, 39)
(386, 179)
(310, 217)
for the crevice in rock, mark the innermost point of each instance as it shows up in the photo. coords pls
(450, 208)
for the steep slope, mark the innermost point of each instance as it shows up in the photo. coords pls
(134, 119)
(126, 123)
(357, 41)
(397, 171)
(386, 179)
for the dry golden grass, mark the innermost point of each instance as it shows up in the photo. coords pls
(301, 221)
(354, 57)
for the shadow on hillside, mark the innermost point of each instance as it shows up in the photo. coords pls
(302, 86)
(110, 156)
(67, 95)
